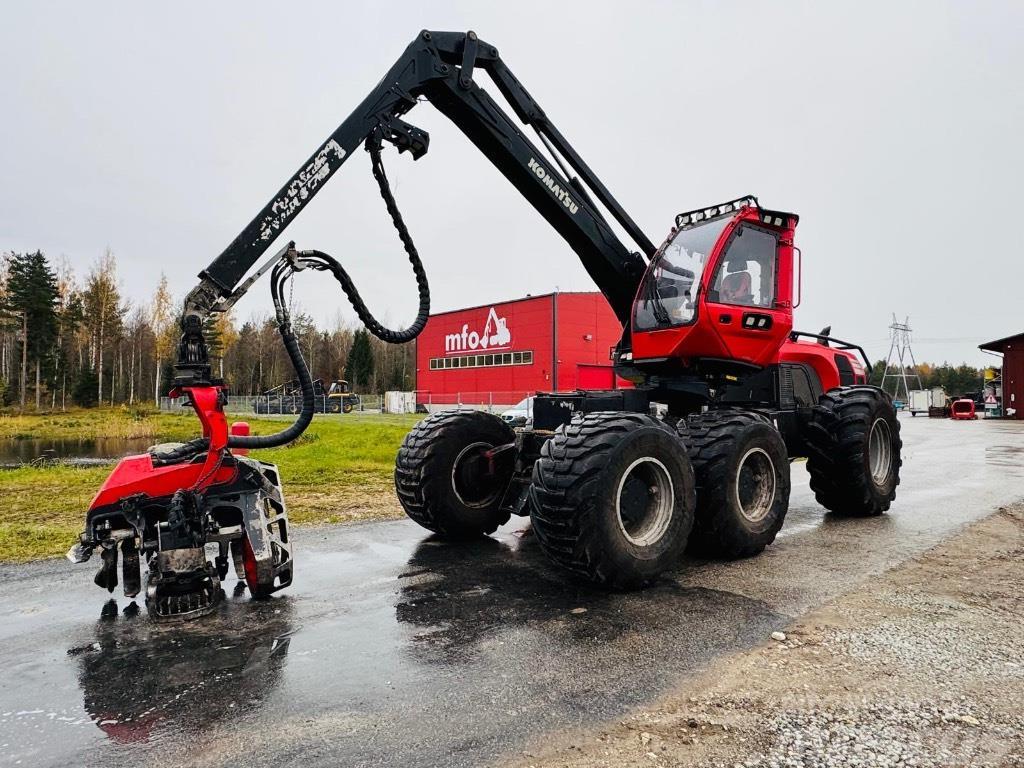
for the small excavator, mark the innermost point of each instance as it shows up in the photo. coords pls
(694, 454)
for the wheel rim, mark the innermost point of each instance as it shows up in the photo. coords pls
(880, 451)
(471, 483)
(644, 501)
(755, 485)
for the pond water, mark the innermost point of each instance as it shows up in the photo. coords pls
(103, 450)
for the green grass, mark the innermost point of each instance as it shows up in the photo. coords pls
(339, 470)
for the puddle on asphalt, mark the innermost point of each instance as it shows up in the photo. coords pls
(1005, 456)
(456, 599)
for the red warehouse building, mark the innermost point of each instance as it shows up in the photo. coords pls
(497, 354)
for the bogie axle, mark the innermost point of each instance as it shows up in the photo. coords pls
(617, 486)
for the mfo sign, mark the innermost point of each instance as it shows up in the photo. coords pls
(495, 335)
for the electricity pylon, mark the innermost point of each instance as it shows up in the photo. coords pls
(899, 352)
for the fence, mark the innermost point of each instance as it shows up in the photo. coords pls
(278, 405)
(424, 401)
(492, 402)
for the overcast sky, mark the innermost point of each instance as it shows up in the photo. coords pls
(893, 129)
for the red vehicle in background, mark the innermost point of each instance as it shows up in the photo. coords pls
(963, 410)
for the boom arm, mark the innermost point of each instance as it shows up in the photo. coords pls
(438, 66)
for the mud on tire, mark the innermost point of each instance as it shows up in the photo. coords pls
(612, 498)
(742, 473)
(855, 451)
(439, 474)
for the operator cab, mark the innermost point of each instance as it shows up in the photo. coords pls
(719, 291)
(339, 387)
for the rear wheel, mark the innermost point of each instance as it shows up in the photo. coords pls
(612, 498)
(742, 473)
(855, 451)
(443, 474)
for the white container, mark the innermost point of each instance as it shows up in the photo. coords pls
(399, 402)
(920, 401)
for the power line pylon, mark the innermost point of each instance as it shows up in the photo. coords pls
(899, 352)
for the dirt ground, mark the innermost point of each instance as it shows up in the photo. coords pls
(921, 667)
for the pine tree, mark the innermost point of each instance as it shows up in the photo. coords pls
(32, 289)
(359, 368)
(86, 387)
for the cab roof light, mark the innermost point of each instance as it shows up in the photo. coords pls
(690, 218)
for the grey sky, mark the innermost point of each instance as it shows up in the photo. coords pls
(893, 129)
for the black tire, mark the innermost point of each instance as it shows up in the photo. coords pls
(848, 475)
(741, 468)
(346, 408)
(334, 406)
(438, 474)
(588, 473)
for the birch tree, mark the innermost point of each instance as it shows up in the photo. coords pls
(161, 320)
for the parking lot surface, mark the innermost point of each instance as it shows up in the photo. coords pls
(393, 648)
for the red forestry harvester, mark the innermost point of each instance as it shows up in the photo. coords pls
(617, 483)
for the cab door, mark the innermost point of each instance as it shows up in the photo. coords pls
(744, 301)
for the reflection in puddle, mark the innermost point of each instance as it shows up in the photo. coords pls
(137, 676)
(460, 598)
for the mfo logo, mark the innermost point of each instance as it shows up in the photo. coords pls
(495, 335)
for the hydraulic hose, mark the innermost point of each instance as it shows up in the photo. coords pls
(293, 430)
(297, 427)
(321, 261)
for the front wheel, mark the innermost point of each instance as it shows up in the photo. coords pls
(855, 451)
(612, 498)
(742, 471)
(445, 478)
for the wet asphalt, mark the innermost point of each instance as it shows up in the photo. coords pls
(393, 648)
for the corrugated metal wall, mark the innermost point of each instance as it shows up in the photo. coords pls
(1013, 382)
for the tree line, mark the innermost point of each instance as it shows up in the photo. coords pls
(77, 340)
(69, 340)
(957, 380)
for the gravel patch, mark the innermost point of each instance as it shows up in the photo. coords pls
(922, 667)
(908, 733)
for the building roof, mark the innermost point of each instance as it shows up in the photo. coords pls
(1001, 345)
(527, 297)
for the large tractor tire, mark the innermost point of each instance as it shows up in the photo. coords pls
(742, 472)
(854, 458)
(441, 473)
(612, 498)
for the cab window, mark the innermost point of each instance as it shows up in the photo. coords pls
(746, 274)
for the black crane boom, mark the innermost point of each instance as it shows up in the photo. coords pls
(438, 67)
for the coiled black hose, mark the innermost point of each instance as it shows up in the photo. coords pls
(328, 263)
(321, 261)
